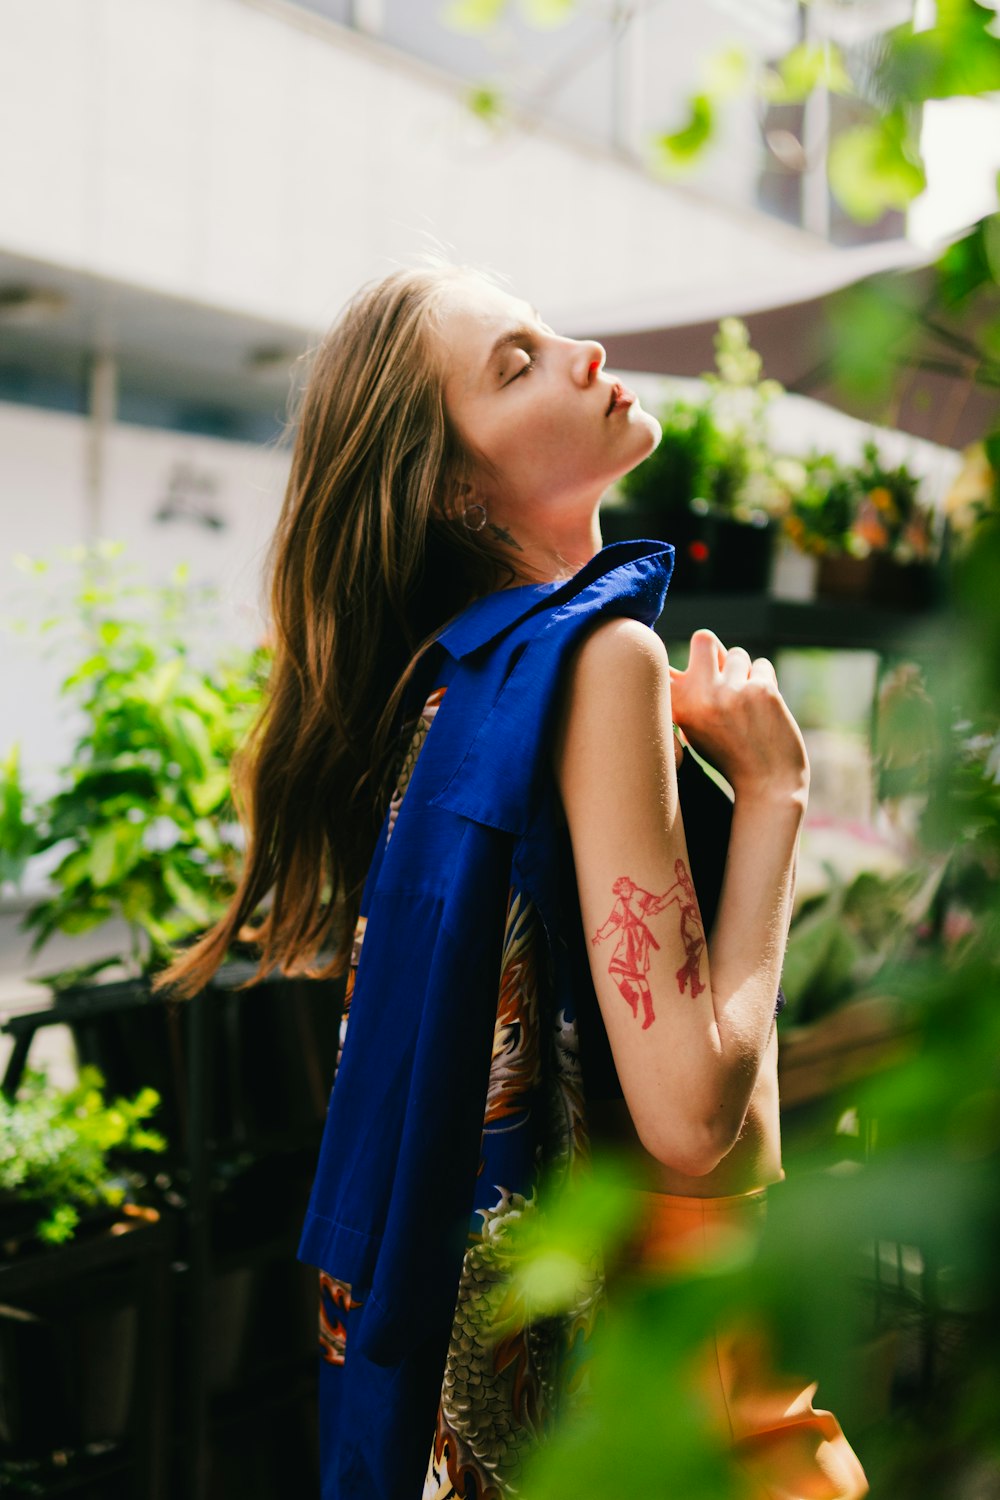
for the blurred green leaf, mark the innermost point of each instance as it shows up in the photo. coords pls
(471, 16)
(726, 73)
(546, 15)
(958, 55)
(26, 564)
(872, 167)
(970, 263)
(18, 839)
(869, 333)
(819, 962)
(187, 898)
(113, 852)
(801, 70)
(486, 103)
(681, 147)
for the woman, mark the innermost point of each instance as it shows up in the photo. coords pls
(461, 671)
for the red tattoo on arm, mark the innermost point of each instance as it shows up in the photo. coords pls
(630, 960)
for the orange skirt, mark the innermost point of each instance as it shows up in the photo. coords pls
(786, 1448)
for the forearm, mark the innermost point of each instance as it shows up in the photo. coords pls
(747, 943)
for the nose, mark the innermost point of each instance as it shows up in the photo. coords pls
(596, 357)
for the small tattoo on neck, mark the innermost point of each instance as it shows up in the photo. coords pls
(503, 535)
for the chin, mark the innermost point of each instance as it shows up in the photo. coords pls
(655, 431)
(653, 434)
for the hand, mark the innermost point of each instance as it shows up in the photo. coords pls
(731, 711)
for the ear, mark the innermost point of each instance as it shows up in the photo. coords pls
(457, 497)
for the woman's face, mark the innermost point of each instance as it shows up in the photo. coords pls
(537, 406)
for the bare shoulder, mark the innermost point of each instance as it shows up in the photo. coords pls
(616, 652)
(616, 690)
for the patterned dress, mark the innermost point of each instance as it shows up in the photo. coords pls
(506, 1376)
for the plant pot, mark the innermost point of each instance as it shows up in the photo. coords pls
(877, 579)
(271, 1054)
(68, 1367)
(713, 553)
(18, 1217)
(794, 574)
(228, 1332)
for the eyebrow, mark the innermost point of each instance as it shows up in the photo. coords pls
(512, 336)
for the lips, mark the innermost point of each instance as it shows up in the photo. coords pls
(621, 397)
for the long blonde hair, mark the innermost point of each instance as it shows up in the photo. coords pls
(368, 561)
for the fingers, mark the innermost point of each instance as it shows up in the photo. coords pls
(764, 670)
(737, 664)
(707, 653)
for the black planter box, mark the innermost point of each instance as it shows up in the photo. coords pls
(713, 554)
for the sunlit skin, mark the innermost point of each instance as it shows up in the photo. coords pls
(630, 960)
(537, 409)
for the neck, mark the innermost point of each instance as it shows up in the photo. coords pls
(554, 554)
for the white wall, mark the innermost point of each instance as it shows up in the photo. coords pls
(42, 454)
(258, 159)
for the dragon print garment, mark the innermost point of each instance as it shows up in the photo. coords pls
(505, 1377)
(471, 1046)
(504, 1387)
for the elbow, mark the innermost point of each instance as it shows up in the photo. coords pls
(695, 1147)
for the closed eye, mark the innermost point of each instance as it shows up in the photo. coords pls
(532, 361)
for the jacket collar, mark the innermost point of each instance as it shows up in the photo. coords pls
(490, 615)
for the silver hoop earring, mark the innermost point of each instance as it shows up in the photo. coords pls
(478, 526)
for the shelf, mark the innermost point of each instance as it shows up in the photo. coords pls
(132, 1240)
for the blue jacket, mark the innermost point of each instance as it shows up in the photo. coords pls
(400, 1169)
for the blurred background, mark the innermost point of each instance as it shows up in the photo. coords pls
(779, 217)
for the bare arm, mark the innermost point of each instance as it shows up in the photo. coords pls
(688, 1020)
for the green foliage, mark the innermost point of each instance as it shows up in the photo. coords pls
(856, 509)
(486, 103)
(715, 455)
(875, 166)
(476, 16)
(17, 836)
(57, 1146)
(676, 472)
(142, 815)
(683, 147)
(958, 55)
(843, 944)
(471, 15)
(870, 330)
(548, 14)
(804, 68)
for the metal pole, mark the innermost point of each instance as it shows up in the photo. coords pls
(628, 99)
(102, 412)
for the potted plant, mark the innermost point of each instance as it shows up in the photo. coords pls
(713, 486)
(142, 829)
(69, 1168)
(874, 537)
(141, 812)
(138, 828)
(62, 1158)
